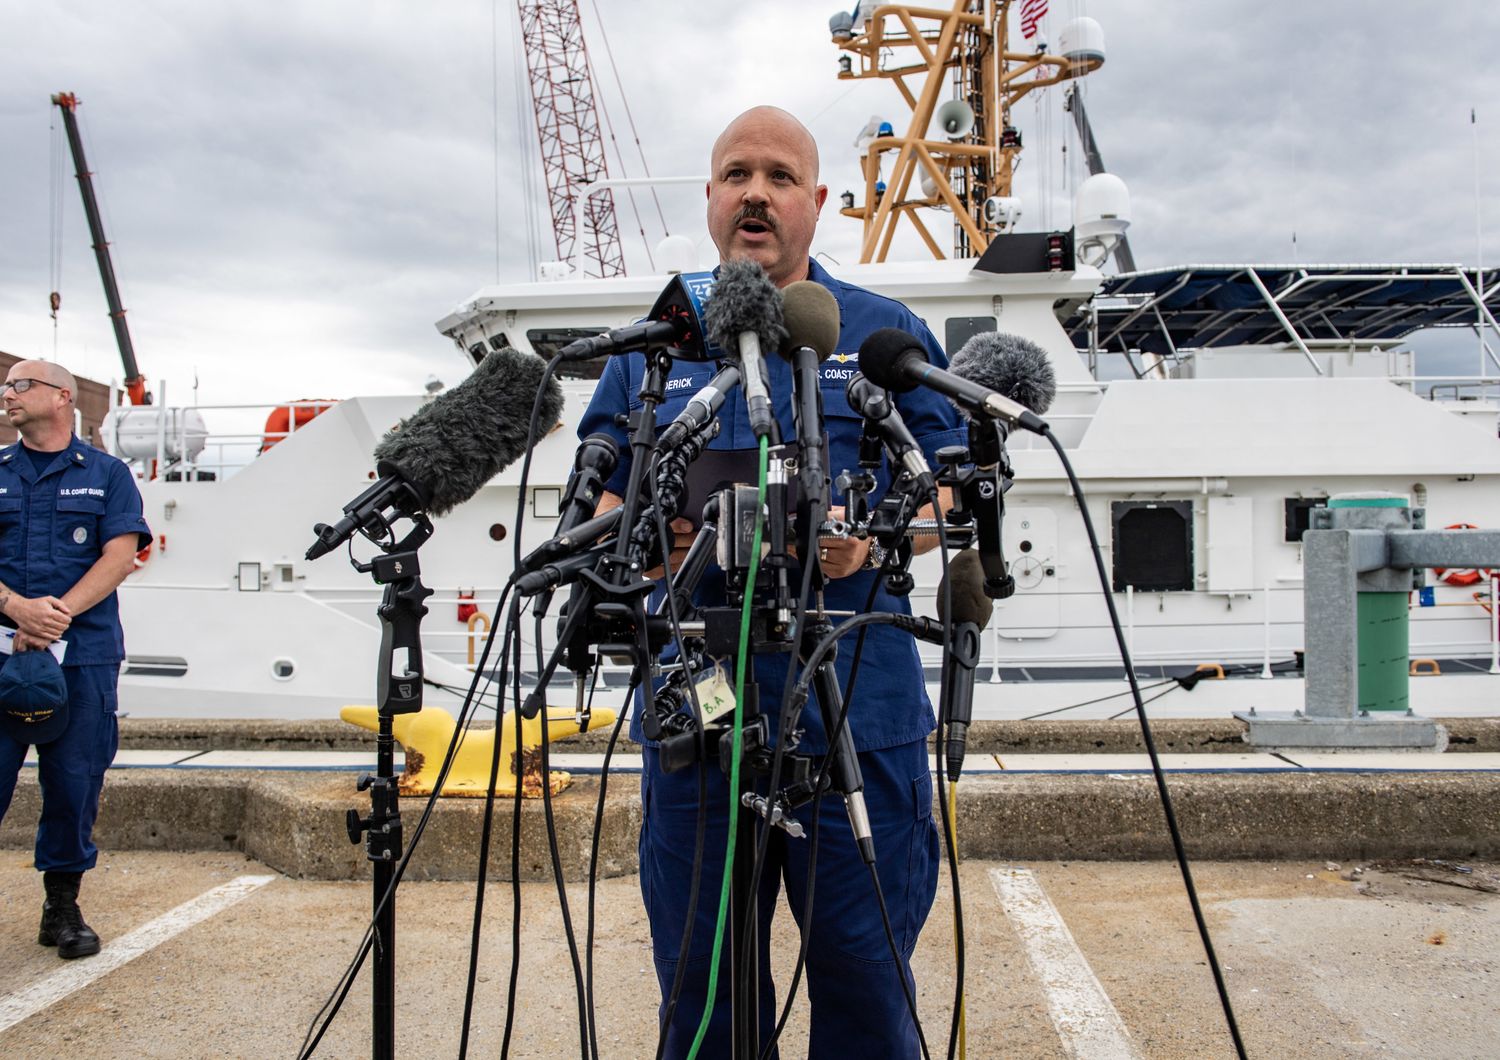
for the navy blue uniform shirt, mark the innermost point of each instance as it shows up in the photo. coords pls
(53, 527)
(890, 705)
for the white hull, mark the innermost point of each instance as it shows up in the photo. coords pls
(1230, 450)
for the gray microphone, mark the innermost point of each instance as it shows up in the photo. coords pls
(894, 359)
(1014, 367)
(743, 317)
(444, 453)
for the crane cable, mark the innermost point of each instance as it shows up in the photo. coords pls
(55, 224)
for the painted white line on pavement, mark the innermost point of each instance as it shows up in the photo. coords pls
(83, 971)
(1085, 1018)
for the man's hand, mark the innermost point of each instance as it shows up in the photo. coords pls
(44, 618)
(683, 533)
(23, 642)
(842, 556)
(683, 536)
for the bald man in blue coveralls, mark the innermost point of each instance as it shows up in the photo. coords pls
(763, 204)
(70, 526)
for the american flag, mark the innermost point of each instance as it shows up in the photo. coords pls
(1032, 12)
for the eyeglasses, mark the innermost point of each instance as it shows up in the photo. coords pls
(22, 385)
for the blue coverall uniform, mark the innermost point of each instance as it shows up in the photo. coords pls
(857, 1004)
(53, 527)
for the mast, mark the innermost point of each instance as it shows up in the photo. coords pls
(973, 163)
(135, 383)
(1074, 104)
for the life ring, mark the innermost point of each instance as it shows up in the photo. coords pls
(141, 557)
(1460, 576)
(284, 419)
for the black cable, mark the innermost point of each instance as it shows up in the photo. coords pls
(335, 1001)
(460, 729)
(669, 1010)
(484, 847)
(812, 848)
(778, 757)
(1145, 703)
(515, 863)
(821, 649)
(890, 938)
(1091, 702)
(950, 840)
(1156, 770)
(609, 753)
(557, 871)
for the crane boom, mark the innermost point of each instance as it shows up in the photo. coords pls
(135, 383)
(567, 120)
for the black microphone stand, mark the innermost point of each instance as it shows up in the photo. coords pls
(398, 691)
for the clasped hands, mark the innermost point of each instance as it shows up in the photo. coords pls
(39, 621)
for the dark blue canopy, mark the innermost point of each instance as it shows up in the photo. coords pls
(1221, 305)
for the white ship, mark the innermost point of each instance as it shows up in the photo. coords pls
(1261, 391)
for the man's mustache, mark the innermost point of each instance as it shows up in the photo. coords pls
(754, 212)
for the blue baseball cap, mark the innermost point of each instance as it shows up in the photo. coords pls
(33, 697)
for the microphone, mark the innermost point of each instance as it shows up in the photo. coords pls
(647, 337)
(893, 359)
(595, 461)
(444, 453)
(971, 613)
(743, 316)
(701, 408)
(812, 319)
(675, 322)
(1009, 365)
(875, 405)
(597, 457)
(812, 323)
(972, 609)
(1020, 370)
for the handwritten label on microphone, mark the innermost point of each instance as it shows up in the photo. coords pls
(715, 695)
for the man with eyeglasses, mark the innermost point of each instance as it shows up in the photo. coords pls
(70, 526)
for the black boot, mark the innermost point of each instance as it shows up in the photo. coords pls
(62, 921)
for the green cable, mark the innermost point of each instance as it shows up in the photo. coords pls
(734, 763)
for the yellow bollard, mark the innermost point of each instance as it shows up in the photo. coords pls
(425, 736)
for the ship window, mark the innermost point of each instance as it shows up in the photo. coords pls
(546, 502)
(547, 341)
(1299, 515)
(960, 330)
(1153, 545)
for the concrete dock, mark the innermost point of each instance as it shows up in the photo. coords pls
(1352, 899)
(1031, 790)
(1064, 959)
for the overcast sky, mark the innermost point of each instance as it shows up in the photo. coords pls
(295, 192)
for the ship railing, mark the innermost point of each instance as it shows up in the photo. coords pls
(238, 436)
(1269, 636)
(1456, 389)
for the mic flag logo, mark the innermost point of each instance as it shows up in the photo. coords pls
(682, 301)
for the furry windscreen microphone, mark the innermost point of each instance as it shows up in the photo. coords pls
(452, 447)
(812, 318)
(1009, 365)
(744, 302)
(743, 318)
(970, 604)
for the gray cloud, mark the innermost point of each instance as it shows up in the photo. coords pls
(295, 192)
